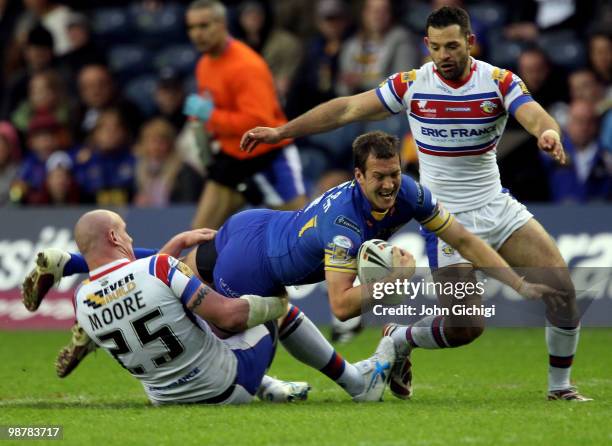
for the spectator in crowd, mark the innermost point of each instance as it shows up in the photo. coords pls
(54, 16)
(600, 57)
(378, 49)
(297, 16)
(60, 185)
(585, 177)
(316, 78)
(44, 139)
(10, 155)
(38, 56)
(585, 85)
(280, 49)
(545, 82)
(9, 12)
(46, 96)
(84, 50)
(96, 92)
(162, 177)
(104, 167)
(169, 98)
(236, 92)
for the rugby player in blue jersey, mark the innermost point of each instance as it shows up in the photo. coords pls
(264, 250)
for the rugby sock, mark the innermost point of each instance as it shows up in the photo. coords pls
(562, 343)
(304, 341)
(425, 333)
(77, 264)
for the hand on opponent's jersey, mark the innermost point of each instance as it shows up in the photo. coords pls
(550, 142)
(258, 135)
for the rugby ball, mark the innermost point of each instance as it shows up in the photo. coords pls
(374, 261)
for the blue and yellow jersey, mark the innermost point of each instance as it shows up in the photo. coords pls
(326, 234)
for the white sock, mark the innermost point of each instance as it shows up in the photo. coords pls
(562, 345)
(425, 333)
(304, 341)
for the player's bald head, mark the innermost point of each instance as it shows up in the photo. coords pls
(94, 227)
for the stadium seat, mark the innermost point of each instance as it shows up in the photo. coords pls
(180, 57)
(129, 61)
(563, 48)
(141, 91)
(110, 25)
(158, 26)
(490, 14)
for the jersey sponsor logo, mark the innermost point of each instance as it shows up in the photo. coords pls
(340, 249)
(116, 311)
(184, 269)
(456, 132)
(420, 195)
(341, 220)
(110, 292)
(422, 104)
(458, 109)
(488, 106)
(524, 88)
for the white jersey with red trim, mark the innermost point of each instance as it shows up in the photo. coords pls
(456, 127)
(135, 311)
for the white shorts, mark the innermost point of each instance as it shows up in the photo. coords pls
(493, 222)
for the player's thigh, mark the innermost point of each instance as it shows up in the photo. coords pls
(254, 350)
(217, 203)
(451, 284)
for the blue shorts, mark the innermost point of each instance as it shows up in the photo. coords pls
(242, 265)
(272, 179)
(254, 350)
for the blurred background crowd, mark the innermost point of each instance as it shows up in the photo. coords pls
(92, 92)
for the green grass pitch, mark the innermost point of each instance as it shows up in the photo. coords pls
(488, 393)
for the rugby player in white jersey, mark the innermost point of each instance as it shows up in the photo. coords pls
(457, 109)
(142, 312)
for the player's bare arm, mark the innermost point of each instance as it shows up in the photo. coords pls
(235, 315)
(347, 301)
(186, 240)
(325, 117)
(482, 256)
(540, 124)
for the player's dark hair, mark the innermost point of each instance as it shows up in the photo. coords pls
(380, 144)
(450, 15)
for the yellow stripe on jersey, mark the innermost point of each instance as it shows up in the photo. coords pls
(346, 265)
(378, 216)
(499, 74)
(438, 221)
(312, 223)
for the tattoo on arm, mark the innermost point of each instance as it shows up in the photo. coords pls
(201, 294)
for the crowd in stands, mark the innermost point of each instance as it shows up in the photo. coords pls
(92, 92)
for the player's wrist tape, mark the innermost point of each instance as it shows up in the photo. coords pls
(264, 309)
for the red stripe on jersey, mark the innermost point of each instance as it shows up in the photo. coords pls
(400, 84)
(457, 152)
(505, 83)
(476, 108)
(162, 266)
(107, 271)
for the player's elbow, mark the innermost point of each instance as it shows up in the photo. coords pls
(233, 315)
(341, 308)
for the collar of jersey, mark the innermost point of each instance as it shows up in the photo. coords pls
(367, 207)
(458, 84)
(108, 268)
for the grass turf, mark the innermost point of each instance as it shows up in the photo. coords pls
(488, 393)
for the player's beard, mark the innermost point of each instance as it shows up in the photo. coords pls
(455, 72)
